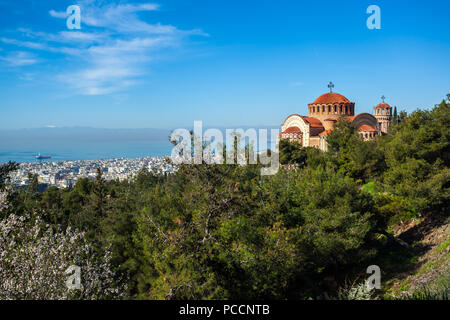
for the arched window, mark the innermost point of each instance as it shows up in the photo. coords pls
(323, 108)
(329, 109)
(335, 110)
(314, 109)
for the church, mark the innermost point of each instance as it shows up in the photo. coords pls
(324, 112)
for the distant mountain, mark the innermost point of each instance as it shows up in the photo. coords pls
(41, 139)
(82, 134)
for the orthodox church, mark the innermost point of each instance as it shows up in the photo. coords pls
(324, 112)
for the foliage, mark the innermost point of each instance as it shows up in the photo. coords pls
(359, 291)
(225, 231)
(5, 170)
(417, 156)
(351, 155)
(34, 257)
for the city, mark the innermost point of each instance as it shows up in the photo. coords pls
(64, 174)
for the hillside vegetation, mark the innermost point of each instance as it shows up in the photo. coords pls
(309, 231)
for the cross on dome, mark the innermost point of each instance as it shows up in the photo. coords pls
(331, 86)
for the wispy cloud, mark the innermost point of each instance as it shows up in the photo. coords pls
(113, 49)
(19, 59)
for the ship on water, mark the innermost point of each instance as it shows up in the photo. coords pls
(41, 157)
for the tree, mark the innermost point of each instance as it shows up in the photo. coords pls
(99, 195)
(418, 157)
(5, 171)
(219, 232)
(395, 117)
(34, 258)
(292, 153)
(351, 155)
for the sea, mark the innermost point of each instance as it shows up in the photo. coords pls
(83, 143)
(85, 151)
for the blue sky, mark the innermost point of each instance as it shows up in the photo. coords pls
(164, 64)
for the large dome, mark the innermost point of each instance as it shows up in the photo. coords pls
(331, 97)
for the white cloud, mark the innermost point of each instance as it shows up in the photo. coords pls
(57, 14)
(114, 54)
(19, 59)
(26, 44)
(118, 17)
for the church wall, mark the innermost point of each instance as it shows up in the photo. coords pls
(314, 142)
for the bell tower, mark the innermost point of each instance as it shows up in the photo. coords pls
(383, 114)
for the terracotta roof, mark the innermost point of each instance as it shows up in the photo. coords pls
(383, 106)
(366, 127)
(315, 131)
(313, 122)
(292, 129)
(330, 97)
(324, 133)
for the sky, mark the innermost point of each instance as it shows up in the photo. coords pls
(164, 64)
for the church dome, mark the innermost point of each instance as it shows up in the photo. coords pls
(383, 105)
(331, 97)
(366, 127)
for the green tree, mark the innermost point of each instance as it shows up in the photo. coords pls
(5, 171)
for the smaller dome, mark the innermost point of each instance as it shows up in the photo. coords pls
(366, 127)
(331, 97)
(292, 129)
(383, 105)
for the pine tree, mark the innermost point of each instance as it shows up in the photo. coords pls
(99, 191)
(395, 116)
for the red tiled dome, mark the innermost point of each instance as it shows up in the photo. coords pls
(366, 127)
(292, 129)
(331, 97)
(383, 106)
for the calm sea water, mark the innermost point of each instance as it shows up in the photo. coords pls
(84, 150)
(80, 143)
